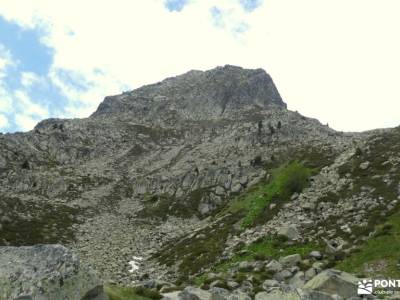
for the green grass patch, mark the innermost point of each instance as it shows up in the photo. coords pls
(266, 248)
(195, 252)
(289, 179)
(378, 255)
(269, 247)
(116, 292)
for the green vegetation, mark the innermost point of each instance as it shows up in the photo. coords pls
(195, 253)
(312, 157)
(116, 292)
(286, 180)
(250, 208)
(201, 250)
(45, 224)
(378, 153)
(268, 247)
(379, 254)
(162, 206)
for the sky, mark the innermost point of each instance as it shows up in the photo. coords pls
(334, 60)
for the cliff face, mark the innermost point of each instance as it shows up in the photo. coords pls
(152, 165)
(198, 95)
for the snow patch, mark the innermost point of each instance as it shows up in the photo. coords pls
(135, 263)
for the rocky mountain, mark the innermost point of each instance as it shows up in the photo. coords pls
(171, 180)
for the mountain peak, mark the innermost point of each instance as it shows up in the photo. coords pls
(199, 94)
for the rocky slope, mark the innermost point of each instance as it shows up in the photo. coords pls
(156, 170)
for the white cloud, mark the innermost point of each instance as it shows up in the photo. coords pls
(5, 61)
(25, 121)
(29, 107)
(5, 100)
(28, 79)
(25, 112)
(334, 60)
(21, 108)
(144, 44)
(17, 105)
(3, 64)
(3, 121)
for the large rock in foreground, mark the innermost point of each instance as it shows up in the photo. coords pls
(46, 272)
(334, 282)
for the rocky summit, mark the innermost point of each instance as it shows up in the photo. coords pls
(205, 186)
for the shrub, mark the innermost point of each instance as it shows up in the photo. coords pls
(286, 180)
(260, 256)
(152, 294)
(240, 277)
(281, 239)
(293, 179)
(271, 129)
(25, 165)
(384, 229)
(116, 292)
(257, 161)
(260, 126)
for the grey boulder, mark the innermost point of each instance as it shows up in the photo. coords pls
(289, 231)
(334, 282)
(290, 260)
(284, 293)
(193, 293)
(46, 272)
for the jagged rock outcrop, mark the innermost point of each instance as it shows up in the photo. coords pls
(197, 95)
(46, 272)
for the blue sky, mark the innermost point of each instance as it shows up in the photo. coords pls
(29, 96)
(178, 5)
(26, 47)
(61, 59)
(175, 5)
